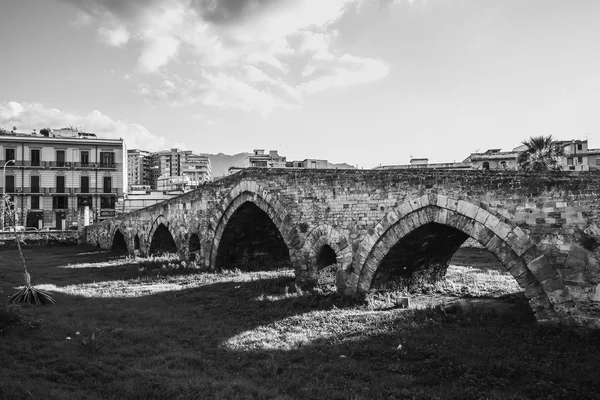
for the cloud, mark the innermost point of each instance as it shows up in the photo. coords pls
(116, 36)
(29, 116)
(326, 71)
(244, 54)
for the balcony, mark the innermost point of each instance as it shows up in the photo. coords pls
(35, 190)
(87, 190)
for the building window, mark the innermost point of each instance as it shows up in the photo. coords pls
(486, 165)
(35, 183)
(569, 161)
(85, 184)
(83, 201)
(597, 161)
(580, 160)
(60, 202)
(35, 158)
(10, 154)
(60, 184)
(579, 146)
(107, 184)
(10, 184)
(85, 158)
(107, 202)
(60, 158)
(107, 159)
(35, 202)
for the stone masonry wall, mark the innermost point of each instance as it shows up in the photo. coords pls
(557, 212)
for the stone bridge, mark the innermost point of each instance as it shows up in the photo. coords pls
(381, 227)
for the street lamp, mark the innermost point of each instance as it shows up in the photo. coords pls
(4, 188)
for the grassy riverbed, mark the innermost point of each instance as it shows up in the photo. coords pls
(164, 330)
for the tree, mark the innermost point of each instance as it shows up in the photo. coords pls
(543, 153)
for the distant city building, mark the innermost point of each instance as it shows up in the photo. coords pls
(577, 158)
(177, 163)
(260, 159)
(57, 174)
(138, 167)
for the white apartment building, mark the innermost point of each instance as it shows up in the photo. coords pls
(52, 177)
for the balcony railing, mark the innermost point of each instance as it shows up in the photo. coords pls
(60, 165)
(64, 190)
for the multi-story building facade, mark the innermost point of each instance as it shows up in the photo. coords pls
(271, 160)
(174, 164)
(138, 167)
(260, 159)
(55, 176)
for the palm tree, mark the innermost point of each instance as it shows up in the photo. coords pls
(543, 153)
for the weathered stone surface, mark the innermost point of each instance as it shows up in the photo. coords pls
(521, 216)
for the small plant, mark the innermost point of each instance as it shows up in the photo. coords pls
(28, 294)
(93, 343)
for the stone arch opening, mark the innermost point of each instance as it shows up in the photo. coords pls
(136, 242)
(162, 241)
(118, 244)
(193, 246)
(548, 297)
(251, 241)
(422, 256)
(486, 165)
(326, 257)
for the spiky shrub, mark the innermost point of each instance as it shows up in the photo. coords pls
(93, 343)
(29, 294)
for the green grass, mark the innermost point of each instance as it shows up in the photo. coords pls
(174, 332)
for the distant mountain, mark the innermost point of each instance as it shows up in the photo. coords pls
(221, 163)
(340, 166)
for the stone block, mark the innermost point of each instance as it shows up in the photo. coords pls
(533, 289)
(515, 265)
(441, 216)
(541, 268)
(442, 201)
(466, 208)
(491, 222)
(482, 215)
(502, 230)
(596, 296)
(575, 263)
(451, 204)
(404, 209)
(553, 283)
(392, 217)
(579, 253)
(480, 233)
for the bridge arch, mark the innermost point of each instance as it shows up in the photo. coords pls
(194, 247)
(118, 242)
(165, 240)
(316, 243)
(543, 287)
(247, 196)
(116, 238)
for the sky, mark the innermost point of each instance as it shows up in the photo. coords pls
(365, 82)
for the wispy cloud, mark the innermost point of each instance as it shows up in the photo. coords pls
(29, 116)
(247, 54)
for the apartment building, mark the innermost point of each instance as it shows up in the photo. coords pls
(54, 176)
(138, 167)
(175, 163)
